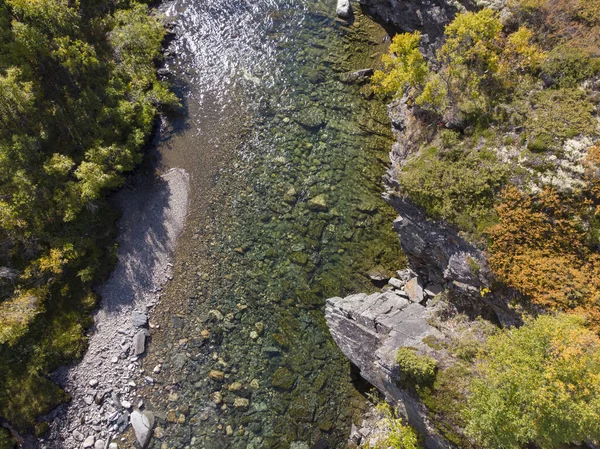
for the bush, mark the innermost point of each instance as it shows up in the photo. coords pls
(418, 368)
(540, 247)
(537, 384)
(399, 435)
(541, 143)
(560, 114)
(567, 66)
(458, 185)
(478, 65)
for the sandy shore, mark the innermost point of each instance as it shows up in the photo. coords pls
(104, 383)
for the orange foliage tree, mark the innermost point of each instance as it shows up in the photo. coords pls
(543, 245)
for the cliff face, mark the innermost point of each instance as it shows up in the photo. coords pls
(370, 329)
(428, 16)
(434, 250)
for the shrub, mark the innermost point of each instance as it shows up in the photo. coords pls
(458, 185)
(417, 368)
(568, 65)
(405, 66)
(540, 143)
(540, 247)
(399, 435)
(562, 114)
(537, 384)
(478, 65)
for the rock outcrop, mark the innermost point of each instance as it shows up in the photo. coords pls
(369, 329)
(435, 250)
(428, 16)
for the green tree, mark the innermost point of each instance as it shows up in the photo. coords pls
(537, 384)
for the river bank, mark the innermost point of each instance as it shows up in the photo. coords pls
(103, 384)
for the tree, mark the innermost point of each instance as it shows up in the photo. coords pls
(405, 66)
(537, 384)
(478, 65)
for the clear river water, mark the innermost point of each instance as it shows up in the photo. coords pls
(285, 163)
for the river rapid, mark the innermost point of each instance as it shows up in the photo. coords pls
(285, 163)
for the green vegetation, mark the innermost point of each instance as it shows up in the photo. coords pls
(418, 368)
(396, 434)
(455, 183)
(78, 100)
(537, 384)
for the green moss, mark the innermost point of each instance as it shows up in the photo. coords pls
(434, 343)
(418, 368)
(567, 66)
(541, 143)
(559, 115)
(446, 400)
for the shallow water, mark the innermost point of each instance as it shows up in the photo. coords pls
(286, 164)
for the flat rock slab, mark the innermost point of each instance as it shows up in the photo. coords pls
(142, 423)
(414, 290)
(139, 342)
(139, 319)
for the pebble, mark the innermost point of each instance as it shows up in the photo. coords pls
(156, 369)
(89, 441)
(241, 403)
(253, 335)
(94, 383)
(229, 430)
(235, 386)
(216, 375)
(216, 397)
(113, 446)
(126, 404)
(78, 435)
(99, 444)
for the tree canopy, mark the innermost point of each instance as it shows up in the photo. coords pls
(537, 384)
(78, 99)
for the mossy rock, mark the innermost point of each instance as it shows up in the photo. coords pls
(302, 409)
(283, 379)
(299, 258)
(318, 203)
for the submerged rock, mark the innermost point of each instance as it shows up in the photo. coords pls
(318, 203)
(283, 379)
(311, 117)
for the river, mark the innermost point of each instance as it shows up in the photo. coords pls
(285, 163)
